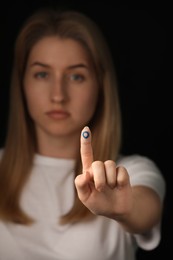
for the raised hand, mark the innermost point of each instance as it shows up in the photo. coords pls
(102, 187)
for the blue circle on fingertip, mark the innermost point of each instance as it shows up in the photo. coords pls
(85, 134)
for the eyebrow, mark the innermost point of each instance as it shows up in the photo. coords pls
(36, 63)
(75, 66)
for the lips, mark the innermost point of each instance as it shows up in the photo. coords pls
(58, 114)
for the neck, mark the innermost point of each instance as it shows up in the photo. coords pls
(59, 147)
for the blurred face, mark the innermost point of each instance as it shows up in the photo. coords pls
(60, 87)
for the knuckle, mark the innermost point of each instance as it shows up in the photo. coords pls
(110, 163)
(101, 186)
(97, 164)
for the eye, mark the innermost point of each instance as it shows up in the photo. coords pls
(41, 75)
(76, 77)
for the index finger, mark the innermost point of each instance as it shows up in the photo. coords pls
(86, 148)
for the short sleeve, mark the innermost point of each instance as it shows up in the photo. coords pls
(143, 171)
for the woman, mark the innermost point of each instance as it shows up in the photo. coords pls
(65, 194)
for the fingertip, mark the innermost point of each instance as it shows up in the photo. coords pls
(86, 133)
(86, 148)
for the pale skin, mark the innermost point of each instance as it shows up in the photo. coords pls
(105, 189)
(61, 91)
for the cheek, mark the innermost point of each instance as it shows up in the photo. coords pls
(34, 102)
(86, 104)
(34, 93)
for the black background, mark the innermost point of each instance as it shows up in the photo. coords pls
(138, 36)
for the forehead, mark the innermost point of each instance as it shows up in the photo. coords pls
(55, 48)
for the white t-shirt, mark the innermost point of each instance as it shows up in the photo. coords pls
(49, 193)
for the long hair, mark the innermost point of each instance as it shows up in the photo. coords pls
(20, 145)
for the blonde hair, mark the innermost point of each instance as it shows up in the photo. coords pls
(20, 146)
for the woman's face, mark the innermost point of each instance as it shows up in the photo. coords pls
(60, 86)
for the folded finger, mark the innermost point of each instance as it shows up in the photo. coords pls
(111, 176)
(99, 177)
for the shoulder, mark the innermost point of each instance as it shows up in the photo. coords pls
(136, 161)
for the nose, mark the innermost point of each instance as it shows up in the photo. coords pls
(58, 92)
